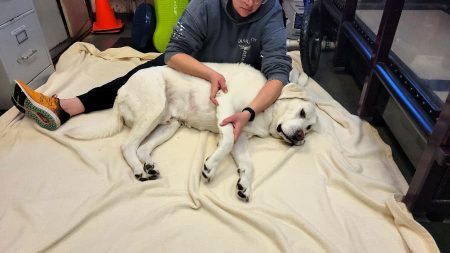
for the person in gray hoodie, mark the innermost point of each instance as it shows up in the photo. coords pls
(224, 31)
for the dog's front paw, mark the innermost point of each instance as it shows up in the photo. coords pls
(144, 177)
(207, 171)
(243, 189)
(206, 174)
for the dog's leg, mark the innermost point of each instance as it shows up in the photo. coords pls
(138, 132)
(146, 120)
(225, 144)
(243, 160)
(161, 134)
(142, 101)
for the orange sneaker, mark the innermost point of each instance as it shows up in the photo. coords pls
(18, 98)
(44, 110)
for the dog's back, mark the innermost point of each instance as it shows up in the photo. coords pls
(184, 97)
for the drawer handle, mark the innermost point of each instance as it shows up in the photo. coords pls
(26, 57)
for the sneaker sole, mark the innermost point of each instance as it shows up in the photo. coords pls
(41, 117)
(40, 113)
(17, 105)
(15, 98)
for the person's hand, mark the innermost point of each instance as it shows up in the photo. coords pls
(217, 83)
(239, 120)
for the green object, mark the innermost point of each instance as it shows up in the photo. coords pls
(167, 14)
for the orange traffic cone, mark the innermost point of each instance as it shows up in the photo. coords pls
(105, 20)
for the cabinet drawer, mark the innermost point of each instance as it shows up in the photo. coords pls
(12, 8)
(7, 87)
(23, 50)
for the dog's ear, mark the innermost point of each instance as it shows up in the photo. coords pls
(293, 90)
(299, 77)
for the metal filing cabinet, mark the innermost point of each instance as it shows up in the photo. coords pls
(23, 51)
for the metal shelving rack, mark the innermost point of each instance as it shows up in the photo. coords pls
(430, 186)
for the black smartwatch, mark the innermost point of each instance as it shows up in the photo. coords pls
(251, 111)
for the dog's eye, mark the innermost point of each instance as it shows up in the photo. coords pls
(302, 114)
(308, 127)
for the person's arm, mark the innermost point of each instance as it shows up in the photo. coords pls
(267, 95)
(189, 33)
(275, 65)
(189, 65)
(265, 98)
(187, 37)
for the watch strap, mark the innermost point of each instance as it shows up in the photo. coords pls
(251, 111)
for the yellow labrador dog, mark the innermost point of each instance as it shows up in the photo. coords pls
(156, 101)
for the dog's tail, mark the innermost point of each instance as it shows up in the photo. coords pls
(94, 125)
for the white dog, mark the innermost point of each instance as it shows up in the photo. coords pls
(158, 100)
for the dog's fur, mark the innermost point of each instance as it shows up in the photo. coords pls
(158, 100)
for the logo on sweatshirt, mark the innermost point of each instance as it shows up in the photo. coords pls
(178, 31)
(245, 45)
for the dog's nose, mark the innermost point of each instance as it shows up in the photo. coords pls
(300, 134)
(279, 128)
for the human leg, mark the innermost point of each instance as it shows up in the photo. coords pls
(51, 112)
(103, 97)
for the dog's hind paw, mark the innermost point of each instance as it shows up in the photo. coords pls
(144, 177)
(150, 170)
(148, 166)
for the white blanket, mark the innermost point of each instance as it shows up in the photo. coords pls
(339, 192)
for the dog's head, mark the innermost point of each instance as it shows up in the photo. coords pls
(293, 115)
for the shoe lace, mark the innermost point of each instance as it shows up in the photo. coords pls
(51, 101)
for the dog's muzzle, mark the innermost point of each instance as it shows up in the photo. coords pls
(298, 138)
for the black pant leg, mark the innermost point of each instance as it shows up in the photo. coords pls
(103, 97)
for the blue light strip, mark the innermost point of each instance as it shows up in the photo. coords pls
(389, 80)
(361, 44)
(404, 97)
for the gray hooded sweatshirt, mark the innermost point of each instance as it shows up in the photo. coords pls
(211, 31)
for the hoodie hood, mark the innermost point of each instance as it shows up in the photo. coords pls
(227, 5)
